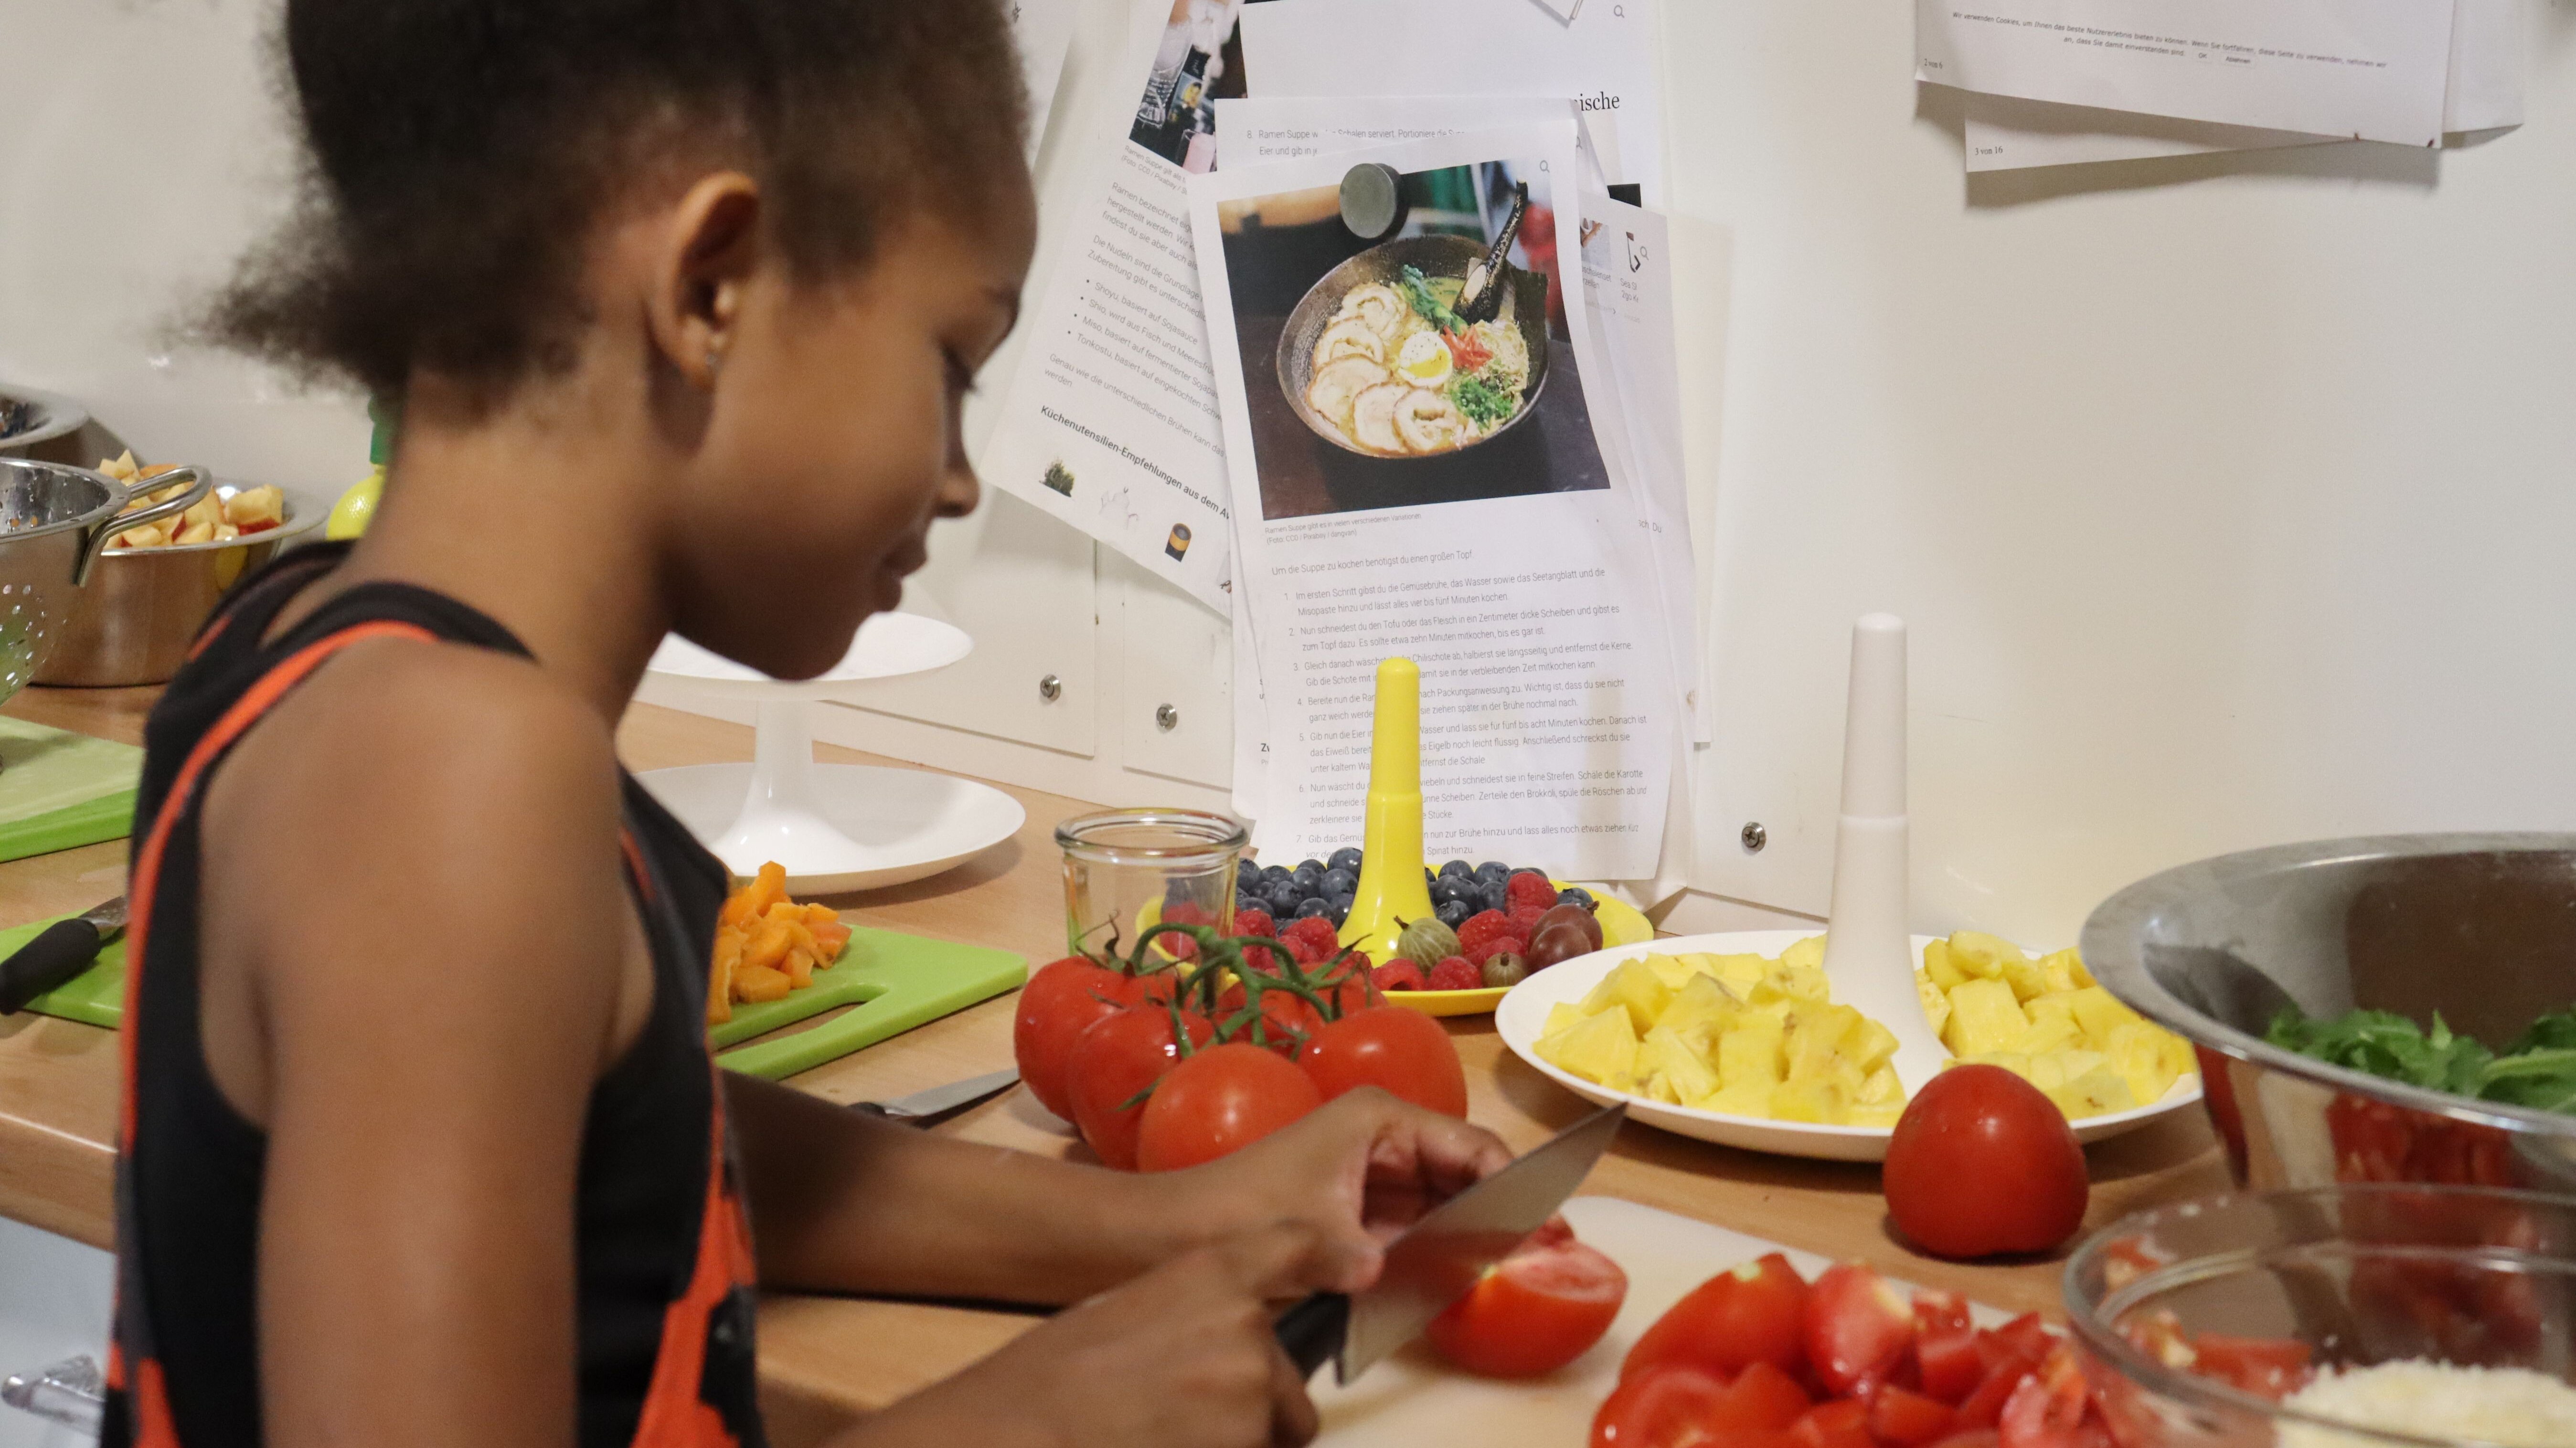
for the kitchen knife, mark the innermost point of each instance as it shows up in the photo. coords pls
(922, 1106)
(63, 950)
(1434, 1263)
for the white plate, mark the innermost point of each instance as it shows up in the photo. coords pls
(1523, 1014)
(871, 827)
(888, 645)
(55, 416)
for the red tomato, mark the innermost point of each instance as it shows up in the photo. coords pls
(1112, 1064)
(2048, 1407)
(1971, 1438)
(1843, 1423)
(1682, 1407)
(1982, 1163)
(1216, 1102)
(1941, 1312)
(1753, 1312)
(2011, 1363)
(1402, 1050)
(1059, 1003)
(1909, 1419)
(1542, 1308)
(1857, 1327)
(1287, 1020)
(2269, 1367)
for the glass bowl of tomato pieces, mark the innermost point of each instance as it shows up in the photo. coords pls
(2358, 1316)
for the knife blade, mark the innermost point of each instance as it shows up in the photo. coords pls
(62, 950)
(1434, 1263)
(921, 1106)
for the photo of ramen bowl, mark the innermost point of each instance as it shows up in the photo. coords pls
(1369, 372)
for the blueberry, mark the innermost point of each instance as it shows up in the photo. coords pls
(1493, 872)
(1307, 877)
(1576, 895)
(1457, 867)
(1497, 896)
(1454, 913)
(1274, 874)
(1427, 876)
(1345, 858)
(1449, 888)
(1283, 900)
(1250, 902)
(1338, 909)
(1310, 860)
(1338, 881)
(1313, 907)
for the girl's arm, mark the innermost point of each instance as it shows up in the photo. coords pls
(418, 956)
(841, 1201)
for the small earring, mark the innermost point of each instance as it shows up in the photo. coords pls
(715, 360)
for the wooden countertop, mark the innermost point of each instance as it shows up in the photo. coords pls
(824, 1360)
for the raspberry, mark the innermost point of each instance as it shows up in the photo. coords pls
(1315, 932)
(1496, 946)
(1455, 972)
(1529, 887)
(1479, 928)
(1524, 919)
(1256, 922)
(1400, 973)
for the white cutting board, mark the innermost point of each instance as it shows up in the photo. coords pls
(1413, 1399)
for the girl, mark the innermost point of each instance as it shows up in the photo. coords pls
(421, 1141)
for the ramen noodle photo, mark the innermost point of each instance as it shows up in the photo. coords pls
(1401, 374)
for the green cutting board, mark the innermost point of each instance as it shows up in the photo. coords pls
(891, 982)
(59, 789)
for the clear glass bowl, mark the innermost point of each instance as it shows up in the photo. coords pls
(1126, 868)
(2362, 1274)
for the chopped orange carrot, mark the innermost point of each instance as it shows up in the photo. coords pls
(800, 968)
(760, 983)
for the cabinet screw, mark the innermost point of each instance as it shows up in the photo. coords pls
(1166, 718)
(1754, 837)
(1050, 688)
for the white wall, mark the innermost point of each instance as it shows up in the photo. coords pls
(2229, 498)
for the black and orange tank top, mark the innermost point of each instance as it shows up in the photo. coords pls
(663, 1255)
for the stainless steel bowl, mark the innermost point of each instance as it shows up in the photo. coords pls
(143, 607)
(28, 417)
(53, 522)
(2480, 927)
(1436, 256)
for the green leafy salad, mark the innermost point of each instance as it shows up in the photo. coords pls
(2538, 1070)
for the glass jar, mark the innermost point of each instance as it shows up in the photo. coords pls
(1128, 868)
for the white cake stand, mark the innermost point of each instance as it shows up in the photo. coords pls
(836, 827)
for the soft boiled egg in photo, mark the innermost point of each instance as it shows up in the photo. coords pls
(1424, 362)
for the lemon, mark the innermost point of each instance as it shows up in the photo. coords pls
(349, 515)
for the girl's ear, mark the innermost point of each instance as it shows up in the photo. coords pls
(700, 269)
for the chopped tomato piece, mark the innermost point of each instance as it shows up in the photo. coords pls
(1949, 1364)
(1753, 1312)
(1843, 1423)
(1984, 1407)
(1909, 1419)
(1858, 1328)
(2048, 1408)
(2269, 1367)
(1941, 1312)
(1681, 1407)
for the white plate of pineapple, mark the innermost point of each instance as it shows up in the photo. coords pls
(1737, 1039)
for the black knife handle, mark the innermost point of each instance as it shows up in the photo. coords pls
(1311, 1332)
(64, 950)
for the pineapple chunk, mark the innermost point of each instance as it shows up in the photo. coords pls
(2099, 1013)
(1815, 1038)
(1750, 1053)
(1937, 964)
(2053, 1008)
(1812, 1101)
(1984, 1017)
(2027, 979)
(1739, 973)
(1887, 1115)
(2057, 1068)
(1560, 1016)
(2137, 1052)
(2044, 1034)
(2095, 1093)
(2064, 971)
(2016, 1064)
(1675, 971)
(1787, 982)
(1671, 1070)
(1981, 955)
(1634, 985)
(1748, 1098)
(1868, 1044)
(1881, 1088)
(1936, 1006)
(1807, 954)
(1601, 1048)
(1700, 1013)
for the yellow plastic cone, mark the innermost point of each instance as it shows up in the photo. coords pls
(1391, 886)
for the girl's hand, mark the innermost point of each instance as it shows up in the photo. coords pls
(1182, 1357)
(1358, 1170)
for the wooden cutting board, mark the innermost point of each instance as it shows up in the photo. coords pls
(1412, 1399)
(888, 982)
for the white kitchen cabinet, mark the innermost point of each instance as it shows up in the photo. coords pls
(55, 1298)
(1175, 702)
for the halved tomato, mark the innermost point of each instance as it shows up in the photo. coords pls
(1539, 1309)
